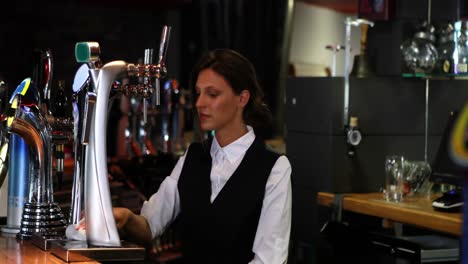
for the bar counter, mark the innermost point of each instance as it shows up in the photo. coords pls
(13, 250)
(413, 210)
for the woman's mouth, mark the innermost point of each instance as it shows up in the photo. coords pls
(203, 117)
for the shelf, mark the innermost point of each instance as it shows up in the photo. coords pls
(436, 76)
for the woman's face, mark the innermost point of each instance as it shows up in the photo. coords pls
(218, 107)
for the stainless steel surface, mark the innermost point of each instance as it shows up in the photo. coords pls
(426, 120)
(44, 219)
(40, 213)
(164, 44)
(101, 229)
(335, 49)
(80, 90)
(32, 137)
(19, 169)
(76, 251)
(43, 243)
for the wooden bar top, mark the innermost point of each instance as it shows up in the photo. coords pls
(13, 250)
(414, 210)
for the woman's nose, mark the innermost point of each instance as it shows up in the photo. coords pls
(199, 102)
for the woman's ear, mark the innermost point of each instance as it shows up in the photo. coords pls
(244, 98)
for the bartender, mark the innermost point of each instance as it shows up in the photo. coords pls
(232, 194)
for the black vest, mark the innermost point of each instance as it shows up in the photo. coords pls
(223, 231)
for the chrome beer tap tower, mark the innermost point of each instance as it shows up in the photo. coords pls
(41, 215)
(94, 83)
(32, 211)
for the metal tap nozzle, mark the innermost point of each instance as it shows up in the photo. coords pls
(358, 21)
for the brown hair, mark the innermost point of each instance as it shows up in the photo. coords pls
(239, 72)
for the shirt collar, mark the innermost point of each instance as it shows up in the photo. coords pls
(235, 149)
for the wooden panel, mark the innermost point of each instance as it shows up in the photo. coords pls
(22, 251)
(415, 211)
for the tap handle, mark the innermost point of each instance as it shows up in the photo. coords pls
(164, 44)
(48, 71)
(27, 91)
(3, 96)
(166, 32)
(38, 68)
(88, 52)
(157, 92)
(148, 56)
(147, 81)
(364, 29)
(81, 78)
(42, 76)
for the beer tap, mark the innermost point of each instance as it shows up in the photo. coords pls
(18, 161)
(41, 215)
(84, 98)
(30, 136)
(101, 229)
(348, 23)
(80, 91)
(58, 120)
(4, 141)
(352, 133)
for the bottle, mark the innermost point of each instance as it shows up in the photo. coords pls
(462, 45)
(59, 110)
(445, 49)
(60, 105)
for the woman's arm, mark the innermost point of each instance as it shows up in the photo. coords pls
(156, 214)
(271, 242)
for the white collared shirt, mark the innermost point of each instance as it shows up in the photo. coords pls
(272, 238)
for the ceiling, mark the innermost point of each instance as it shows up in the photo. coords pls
(344, 6)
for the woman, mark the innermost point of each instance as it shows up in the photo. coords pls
(232, 194)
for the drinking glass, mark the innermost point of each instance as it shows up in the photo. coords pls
(394, 178)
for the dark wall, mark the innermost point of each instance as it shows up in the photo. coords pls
(254, 28)
(122, 30)
(391, 113)
(125, 28)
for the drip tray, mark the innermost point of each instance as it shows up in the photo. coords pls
(44, 243)
(74, 251)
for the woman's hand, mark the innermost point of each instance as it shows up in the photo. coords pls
(121, 216)
(132, 226)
